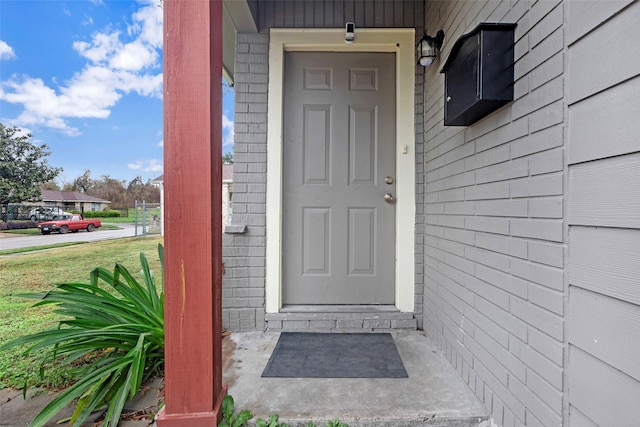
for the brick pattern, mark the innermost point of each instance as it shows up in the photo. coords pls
(243, 253)
(420, 179)
(494, 235)
(341, 322)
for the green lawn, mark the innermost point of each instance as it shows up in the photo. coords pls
(118, 220)
(132, 216)
(38, 272)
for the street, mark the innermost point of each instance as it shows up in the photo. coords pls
(15, 241)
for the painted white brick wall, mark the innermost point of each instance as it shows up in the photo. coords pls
(495, 235)
(243, 297)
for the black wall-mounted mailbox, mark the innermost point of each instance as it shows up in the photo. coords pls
(478, 74)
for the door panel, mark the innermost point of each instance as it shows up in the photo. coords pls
(317, 241)
(316, 143)
(362, 144)
(339, 145)
(362, 239)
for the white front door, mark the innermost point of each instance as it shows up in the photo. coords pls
(339, 178)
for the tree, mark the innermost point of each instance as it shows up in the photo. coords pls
(115, 190)
(111, 189)
(137, 190)
(51, 185)
(83, 183)
(23, 167)
(227, 158)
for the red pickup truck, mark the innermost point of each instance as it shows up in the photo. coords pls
(68, 223)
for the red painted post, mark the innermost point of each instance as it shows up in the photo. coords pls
(193, 213)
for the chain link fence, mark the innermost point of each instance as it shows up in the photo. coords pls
(30, 212)
(147, 218)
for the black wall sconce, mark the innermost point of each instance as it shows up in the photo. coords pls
(428, 48)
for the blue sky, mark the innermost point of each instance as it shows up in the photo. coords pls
(85, 78)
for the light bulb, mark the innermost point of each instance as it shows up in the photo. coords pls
(425, 61)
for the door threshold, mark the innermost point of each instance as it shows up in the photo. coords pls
(339, 309)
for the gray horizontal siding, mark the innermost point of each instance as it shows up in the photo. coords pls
(603, 320)
(606, 192)
(617, 43)
(605, 395)
(619, 109)
(336, 13)
(610, 335)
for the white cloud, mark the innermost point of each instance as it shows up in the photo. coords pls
(87, 20)
(161, 143)
(227, 132)
(117, 64)
(152, 165)
(6, 51)
(148, 21)
(101, 47)
(134, 56)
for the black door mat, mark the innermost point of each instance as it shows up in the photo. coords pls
(318, 355)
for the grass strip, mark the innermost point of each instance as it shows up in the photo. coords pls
(38, 272)
(38, 248)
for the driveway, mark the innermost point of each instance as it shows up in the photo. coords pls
(15, 241)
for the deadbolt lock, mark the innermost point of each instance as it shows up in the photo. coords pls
(388, 180)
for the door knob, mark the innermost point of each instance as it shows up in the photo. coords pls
(389, 198)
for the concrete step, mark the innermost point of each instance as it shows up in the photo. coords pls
(354, 319)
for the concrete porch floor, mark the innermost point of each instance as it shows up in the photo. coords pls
(433, 395)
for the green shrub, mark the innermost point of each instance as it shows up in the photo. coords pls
(17, 225)
(117, 327)
(101, 214)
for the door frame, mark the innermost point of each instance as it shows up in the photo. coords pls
(399, 41)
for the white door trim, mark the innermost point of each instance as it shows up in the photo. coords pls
(400, 41)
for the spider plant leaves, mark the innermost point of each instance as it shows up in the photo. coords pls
(114, 328)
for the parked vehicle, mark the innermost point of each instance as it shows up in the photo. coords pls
(71, 222)
(45, 213)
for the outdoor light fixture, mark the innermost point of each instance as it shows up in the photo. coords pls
(428, 48)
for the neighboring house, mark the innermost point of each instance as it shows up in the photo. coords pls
(71, 200)
(514, 242)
